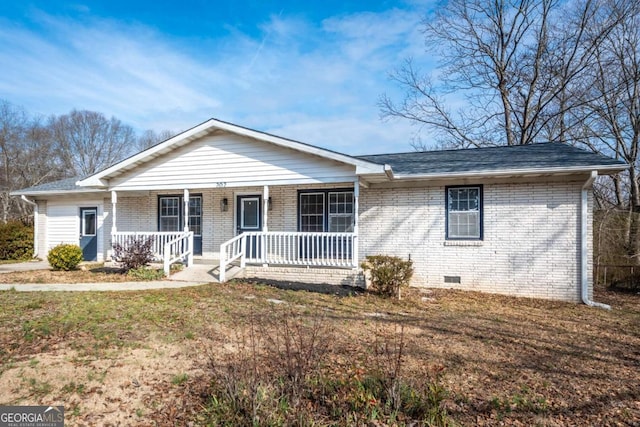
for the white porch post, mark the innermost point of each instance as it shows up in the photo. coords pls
(114, 203)
(265, 208)
(265, 224)
(186, 227)
(186, 210)
(114, 225)
(356, 220)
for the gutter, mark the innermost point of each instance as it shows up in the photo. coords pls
(35, 223)
(510, 172)
(584, 252)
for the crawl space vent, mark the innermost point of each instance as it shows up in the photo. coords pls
(451, 279)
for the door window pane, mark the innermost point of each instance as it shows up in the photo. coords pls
(88, 223)
(195, 215)
(250, 218)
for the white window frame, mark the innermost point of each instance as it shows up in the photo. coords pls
(161, 216)
(477, 212)
(324, 208)
(86, 211)
(242, 217)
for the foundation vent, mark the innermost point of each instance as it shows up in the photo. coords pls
(452, 279)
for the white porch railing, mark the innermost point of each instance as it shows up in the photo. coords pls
(290, 248)
(177, 249)
(168, 246)
(230, 251)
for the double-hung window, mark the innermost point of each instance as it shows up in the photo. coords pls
(340, 217)
(326, 210)
(464, 212)
(169, 214)
(312, 212)
(172, 217)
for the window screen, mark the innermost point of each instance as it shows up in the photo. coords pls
(464, 212)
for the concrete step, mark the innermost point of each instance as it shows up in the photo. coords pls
(206, 273)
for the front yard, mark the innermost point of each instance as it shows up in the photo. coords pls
(148, 358)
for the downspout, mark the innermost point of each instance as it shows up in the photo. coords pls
(584, 247)
(35, 223)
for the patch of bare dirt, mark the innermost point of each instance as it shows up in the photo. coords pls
(503, 360)
(94, 275)
(120, 387)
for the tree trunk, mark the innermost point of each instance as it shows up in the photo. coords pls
(633, 245)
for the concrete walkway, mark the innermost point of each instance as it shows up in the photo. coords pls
(24, 266)
(175, 282)
(102, 286)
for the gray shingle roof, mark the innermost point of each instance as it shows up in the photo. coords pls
(545, 156)
(67, 184)
(475, 160)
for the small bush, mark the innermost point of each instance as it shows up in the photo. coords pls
(16, 241)
(136, 253)
(143, 273)
(388, 274)
(65, 257)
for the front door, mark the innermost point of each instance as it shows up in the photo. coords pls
(249, 218)
(89, 233)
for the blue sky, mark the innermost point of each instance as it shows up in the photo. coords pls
(311, 71)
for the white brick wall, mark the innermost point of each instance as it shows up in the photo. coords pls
(333, 276)
(530, 246)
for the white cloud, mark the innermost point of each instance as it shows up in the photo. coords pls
(315, 82)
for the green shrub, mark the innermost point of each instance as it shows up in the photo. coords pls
(65, 257)
(388, 273)
(16, 241)
(136, 253)
(142, 273)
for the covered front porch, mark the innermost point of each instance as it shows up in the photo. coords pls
(254, 231)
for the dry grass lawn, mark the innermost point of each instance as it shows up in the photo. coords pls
(87, 274)
(141, 358)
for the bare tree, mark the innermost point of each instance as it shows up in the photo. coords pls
(514, 63)
(88, 142)
(34, 151)
(149, 138)
(611, 111)
(27, 158)
(13, 122)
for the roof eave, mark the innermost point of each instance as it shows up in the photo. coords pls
(362, 166)
(602, 169)
(54, 192)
